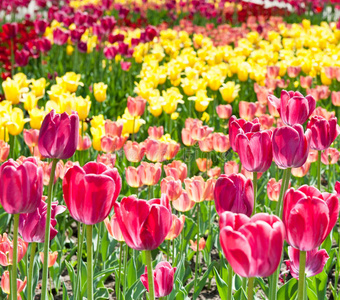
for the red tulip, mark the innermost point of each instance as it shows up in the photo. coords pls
(324, 132)
(293, 107)
(40, 26)
(10, 30)
(315, 261)
(234, 193)
(176, 227)
(91, 191)
(236, 124)
(58, 137)
(6, 250)
(309, 216)
(144, 224)
(163, 277)
(176, 169)
(21, 186)
(255, 150)
(32, 225)
(291, 146)
(252, 246)
(60, 36)
(21, 57)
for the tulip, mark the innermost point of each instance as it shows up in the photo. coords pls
(236, 124)
(4, 151)
(273, 189)
(6, 250)
(266, 121)
(187, 138)
(136, 106)
(199, 133)
(90, 192)
(214, 172)
(107, 159)
(32, 225)
(52, 258)
(337, 189)
(84, 143)
(301, 171)
(336, 98)
(201, 244)
(21, 57)
(231, 167)
(58, 137)
(312, 156)
(324, 132)
(255, 150)
(234, 193)
(247, 110)
(293, 107)
(155, 132)
(315, 262)
(306, 82)
(220, 142)
(99, 91)
(252, 246)
(301, 208)
(224, 111)
(183, 203)
(319, 111)
(291, 146)
(10, 30)
(134, 152)
(155, 150)
(12, 90)
(293, 71)
(60, 37)
(149, 173)
(132, 177)
(206, 145)
(163, 277)
(273, 71)
(330, 156)
(176, 227)
(203, 164)
(171, 187)
(176, 169)
(113, 228)
(198, 190)
(144, 224)
(5, 285)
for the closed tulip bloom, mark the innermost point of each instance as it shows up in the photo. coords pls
(91, 191)
(273, 189)
(144, 224)
(10, 30)
(236, 124)
(113, 228)
(6, 250)
(203, 164)
(309, 216)
(155, 132)
(172, 150)
(315, 261)
(171, 187)
(84, 143)
(52, 258)
(183, 203)
(330, 156)
(149, 173)
(176, 227)
(224, 111)
(136, 106)
(60, 36)
(187, 138)
(266, 121)
(108, 159)
(293, 107)
(221, 142)
(336, 98)
(99, 91)
(291, 146)
(21, 186)
(312, 156)
(58, 137)
(5, 284)
(176, 169)
(32, 225)
(206, 145)
(252, 246)
(273, 71)
(4, 151)
(293, 71)
(337, 188)
(134, 152)
(201, 244)
(199, 133)
(163, 277)
(306, 82)
(247, 110)
(132, 177)
(324, 132)
(234, 193)
(301, 171)
(214, 172)
(31, 137)
(155, 150)
(198, 190)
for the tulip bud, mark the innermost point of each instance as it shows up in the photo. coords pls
(52, 258)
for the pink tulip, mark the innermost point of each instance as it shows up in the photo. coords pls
(198, 190)
(315, 261)
(293, 107)
(224, 111)
(301, 208)
(293, 71)
(113, 228)
(273, 71)
(163, 277)
(183, 203)
(84, 143)
(187, 137)
(291, 146)
(91, 191)
(136, 106)
(301, 171)
(134, 152)
(252, 246)
(330, 156)
(322, 112)
(52, 258)
(231, 167)
(176, 169)
(336, 98)
(155, 132)
(247, 110)
(176, 227)
(108, 159)
(60, 36)
(5, 284)
(306, 82)
(113, 128)
(220, 142)
(214, 172)
(149, 173)
(337, 188)
(266, 121)
(6, 250)
(206, 145)
(201, 245)
(144, 224)
(273, 189)
(155, 150)
(132, 177)
(199, 133)
(171, 187)
(4, 151)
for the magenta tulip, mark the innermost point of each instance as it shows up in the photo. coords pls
(163, 277)
(309, 216)
(58, 137)
(32, 225)
(293, 107)
(234, 193)
(324, 132)
(90, 192)
(21, 186)
(255, 150)
(290, 146)
(144, 224)
(315, 261)
(252, 246)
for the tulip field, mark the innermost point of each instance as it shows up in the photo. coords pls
(169, 149)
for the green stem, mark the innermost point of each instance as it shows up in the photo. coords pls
(133, 129)
(89, 229)
(30, 272)
(198, 242)
(329, 178)
(255, 190)
(250, 288)
(168, 250)
(79, 257)
(126, 253)
(47, 231)
(15, 257)
(302, 268)
(119, 270)
(10, 281)
(244, 284)
(230, 282)
(319, 170)
(148, 258)
(96, 255)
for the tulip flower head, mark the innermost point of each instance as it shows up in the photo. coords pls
(113, 228)
(5, 284)
(6, 250)
(52, 258)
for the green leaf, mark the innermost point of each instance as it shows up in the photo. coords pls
(135, 291)
(71, 273)
(319, 283)
(262, 284)
(65, 295)
(131, 272)
(202, 282)
(289, 290)
(240, 294)
(101, 294)
(221, 286)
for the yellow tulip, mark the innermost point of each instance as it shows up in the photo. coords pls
(171, 97)
(229, 91)
(37, 115)
(55, 92)
(70, 81)
(17, 121)
(69, 50)
(97, 121)
(30, 100)
(97, 134)
(99, 91)
(174, 116)
(205, 117)
(21, 79)
(83, 106)
(12, 90)
(242, 72)
(38, 86)
(201, 100)
(324, 79)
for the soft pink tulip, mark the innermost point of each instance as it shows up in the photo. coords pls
(136, 106)
(134, 152)
(113, 228)
(171, 187)
(330, 156)
(224, 111)
(183, 203)
(176, 169)
(6, 250)
(176, 227)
